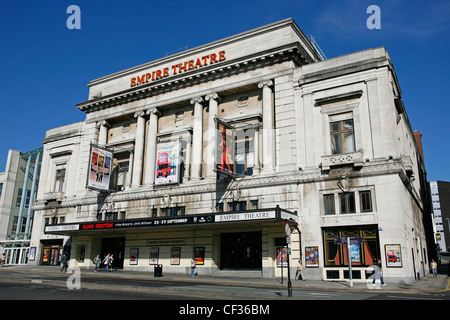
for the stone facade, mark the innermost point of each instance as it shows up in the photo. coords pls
(325, 145)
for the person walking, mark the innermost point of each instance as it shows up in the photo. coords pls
(106, 262)
(96, 262)
(193, 265)
(64, 261)
(2, 259)
(377, 268)
(434, 267)
(299, 272)
(111, 260)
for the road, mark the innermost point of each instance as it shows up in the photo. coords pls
(53, 286)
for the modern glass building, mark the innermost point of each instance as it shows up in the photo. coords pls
(18, 189)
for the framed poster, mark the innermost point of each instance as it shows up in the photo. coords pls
(32, 255)
(99, 174)
(134, 256)
(167, 162)
(282, 260)
(393, 255)
(154, 255)
(175, 254)
(312, 257)
(199, 255)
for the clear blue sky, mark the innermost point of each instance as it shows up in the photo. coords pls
(44, 66)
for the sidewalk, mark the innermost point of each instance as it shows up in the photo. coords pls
(426, 284)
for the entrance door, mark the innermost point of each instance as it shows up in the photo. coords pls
(116, 247)
(241, 251)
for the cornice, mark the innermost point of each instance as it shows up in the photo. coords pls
(292, 52)
(289, 178)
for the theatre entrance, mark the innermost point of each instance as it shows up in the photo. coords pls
(241, 251)
(116, 247)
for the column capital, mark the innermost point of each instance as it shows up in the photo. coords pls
(139, 114)
(197, 100)
(154, 111)
(102, 123)
(214, 96)
(267, 83)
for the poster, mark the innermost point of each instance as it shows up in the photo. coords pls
(154, 255)
(393, 255)
(199, 255)
(282, 257)
(224, 149)
(167, 162)
(32, 255)
(175, 254)
(134, 256)
(99, 174)
(312, 257)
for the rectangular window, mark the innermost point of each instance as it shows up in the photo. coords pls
(328, 201)
(244, 148)
(237, 206)
(366, 201)
(342, 136)
(111, 216)
(1, 189)
(347, 202)
(59, 178)
(122, 174)
(154, 213)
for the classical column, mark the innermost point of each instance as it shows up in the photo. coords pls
(197, 139)
(138, 149)
(268, 141)
(213, 100)
(256, 165)
(150, 157)
(187, 159)
(103, 134)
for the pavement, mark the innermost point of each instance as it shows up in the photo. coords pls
(428, 284)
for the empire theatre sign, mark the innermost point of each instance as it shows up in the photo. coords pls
(275, 214)
(199, 62)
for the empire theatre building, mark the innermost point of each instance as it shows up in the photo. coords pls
(211, 152)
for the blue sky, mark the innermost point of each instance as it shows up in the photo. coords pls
(44, 66)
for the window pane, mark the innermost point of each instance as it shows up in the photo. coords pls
(335, 126)
(336, 144)
(366, 201)
(349, 142)
(348, 124)
(329, 203)
(347, 202)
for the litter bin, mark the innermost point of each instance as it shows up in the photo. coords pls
(158, 270)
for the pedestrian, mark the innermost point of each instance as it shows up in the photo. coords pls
(111, 260)
(64, 261)
(96, 262)
(377, 268)
(448, 268)
(2, 260)
(106, 262)
(434, 267)
(299, 272)
(193, 266)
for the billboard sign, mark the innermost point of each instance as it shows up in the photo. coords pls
(224, 149)
(100, 162)
(167, 162)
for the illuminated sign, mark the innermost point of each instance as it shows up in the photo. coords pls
(178, 68)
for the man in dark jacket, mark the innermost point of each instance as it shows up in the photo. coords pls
(64, 261)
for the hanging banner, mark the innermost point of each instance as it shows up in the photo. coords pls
(99, 174)
(224, 149)
(167, 162)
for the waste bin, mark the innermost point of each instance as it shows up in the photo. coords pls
(158, 270)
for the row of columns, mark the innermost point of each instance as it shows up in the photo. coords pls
(194, 155)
